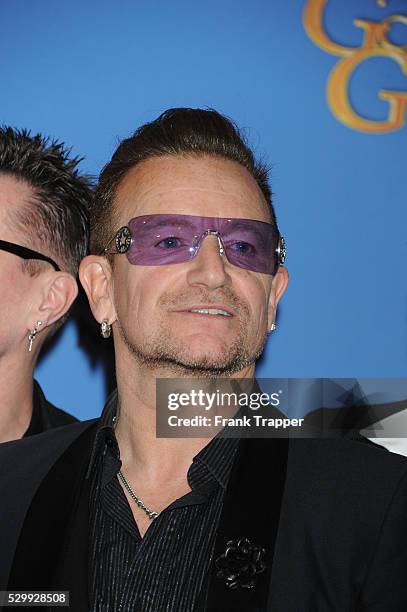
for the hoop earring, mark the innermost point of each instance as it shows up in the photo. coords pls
(32, 335)
(105, 328)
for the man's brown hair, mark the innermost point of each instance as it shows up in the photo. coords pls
(177, 131)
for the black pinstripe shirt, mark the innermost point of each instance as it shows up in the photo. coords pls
(164, 570)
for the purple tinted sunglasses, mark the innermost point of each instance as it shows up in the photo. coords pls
(161, 239)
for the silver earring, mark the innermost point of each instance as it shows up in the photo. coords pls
(105, 328)
(272, 328)
(32, 335)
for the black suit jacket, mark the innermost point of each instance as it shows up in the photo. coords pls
(45, 415)
(331, 514)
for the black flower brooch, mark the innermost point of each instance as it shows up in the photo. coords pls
(240, 564)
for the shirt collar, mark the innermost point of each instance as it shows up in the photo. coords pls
(217, 456)
(105, 431)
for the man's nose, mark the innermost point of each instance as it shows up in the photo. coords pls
(209, 266)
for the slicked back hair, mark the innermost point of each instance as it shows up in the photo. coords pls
(177, 131)
(55, 220)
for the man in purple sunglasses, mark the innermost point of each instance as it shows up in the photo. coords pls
(186, 270)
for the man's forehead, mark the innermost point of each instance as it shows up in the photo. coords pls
(14, 190)
(15, 195)
(190, 185)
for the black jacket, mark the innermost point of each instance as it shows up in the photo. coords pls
(331, 513)
(45, 415)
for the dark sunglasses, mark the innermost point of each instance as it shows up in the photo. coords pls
(26, 253)
(161, 239)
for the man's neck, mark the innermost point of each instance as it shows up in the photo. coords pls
(16, 397)
(158, 459)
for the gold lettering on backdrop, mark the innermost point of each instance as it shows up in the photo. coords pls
(375, 44)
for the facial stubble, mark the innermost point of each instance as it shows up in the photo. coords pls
(164, 351)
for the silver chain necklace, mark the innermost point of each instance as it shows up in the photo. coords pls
(150, 513)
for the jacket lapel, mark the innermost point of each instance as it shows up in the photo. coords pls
(72, 571)
(251, 510)
(59, 505)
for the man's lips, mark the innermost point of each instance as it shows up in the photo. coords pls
(211, 307)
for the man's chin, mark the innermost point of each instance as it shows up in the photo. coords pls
(207, 359)
(202, 368)
(199, 359)
(204, 365)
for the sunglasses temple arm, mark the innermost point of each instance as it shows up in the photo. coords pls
(106, 251)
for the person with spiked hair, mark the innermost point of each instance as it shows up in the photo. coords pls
(44, 203)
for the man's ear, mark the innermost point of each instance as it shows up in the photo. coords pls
(278, 287)
(95, 275)
(58, 295)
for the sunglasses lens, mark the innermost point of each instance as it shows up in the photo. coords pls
(159, 240)
(250, 245)
(167, 239)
